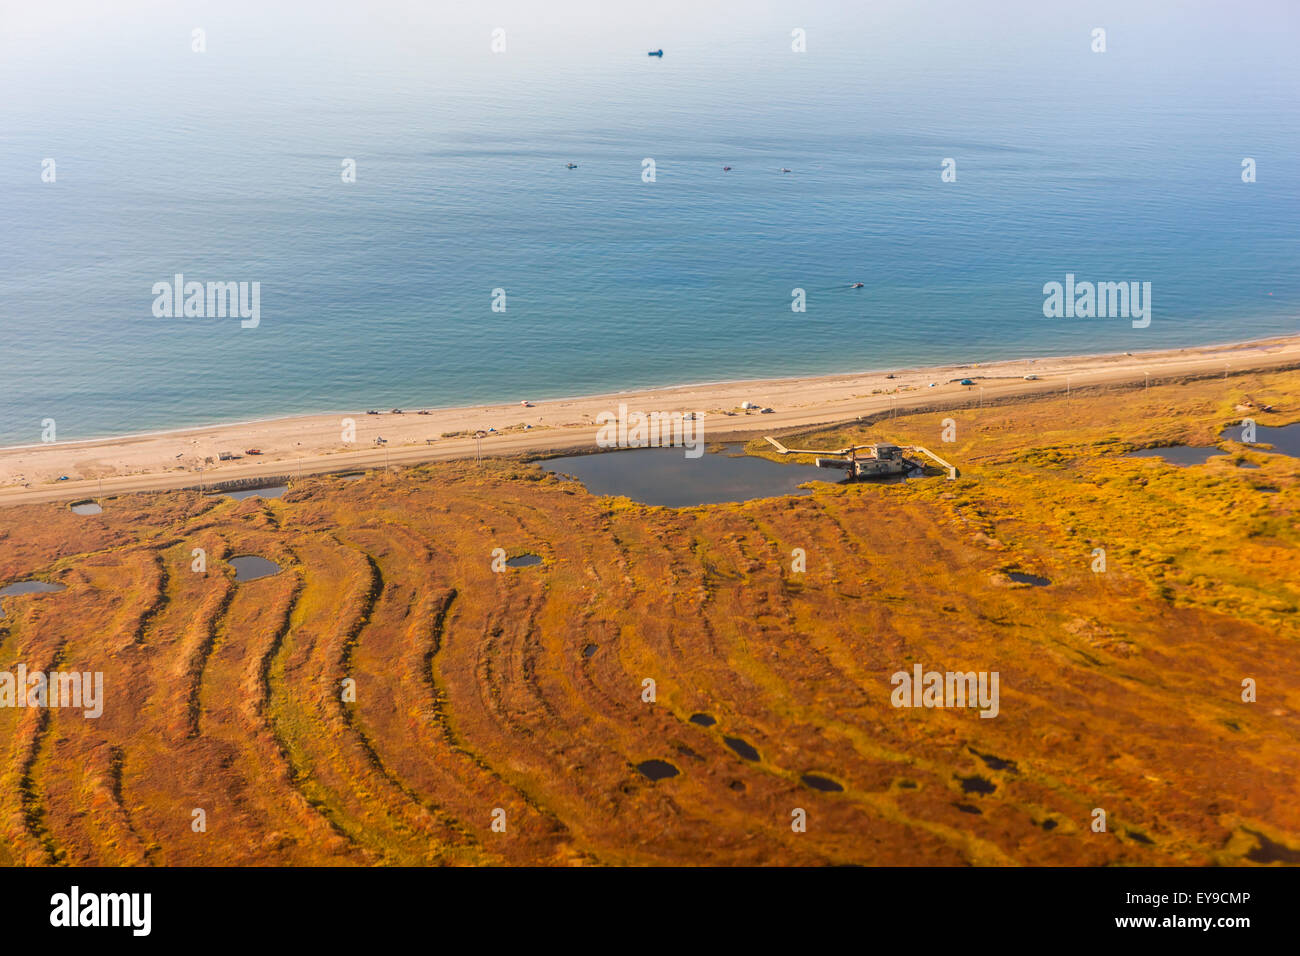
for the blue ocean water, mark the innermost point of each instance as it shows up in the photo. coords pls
(225, 166)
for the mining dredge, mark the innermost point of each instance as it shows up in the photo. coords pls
(881, 460)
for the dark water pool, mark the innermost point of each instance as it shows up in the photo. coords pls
(742, 747)
(657, 769)
(818, 782)
(249, 567)
(523, 561)
(29, 587)
(977, 784)
(270, 491)
(86, 508)
(1034, 579)
(1285, 439)
(1269, 852)
(1179, 454)
(664, 476)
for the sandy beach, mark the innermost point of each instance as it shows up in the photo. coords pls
(315, 444)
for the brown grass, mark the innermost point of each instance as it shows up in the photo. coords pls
(1119, 690)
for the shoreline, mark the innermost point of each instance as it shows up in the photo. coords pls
(1236, 344)
(313, 444)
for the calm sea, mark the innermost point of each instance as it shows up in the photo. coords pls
(225, 166)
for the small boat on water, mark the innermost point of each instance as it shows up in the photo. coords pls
(570, 165)
(785, 169)
(726, 169)
(856, 285)
(655, 53)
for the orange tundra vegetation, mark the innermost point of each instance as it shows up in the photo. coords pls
(522, 691)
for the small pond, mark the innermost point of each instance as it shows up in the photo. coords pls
(1285, 439)
(271, 491)
(1179, 454)
(29, 587)
(1022, 578)
(818, 782)
(742, 747)
(665, 476)
(657, 769)
(249, 567)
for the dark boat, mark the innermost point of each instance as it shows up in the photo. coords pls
(655, 53)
